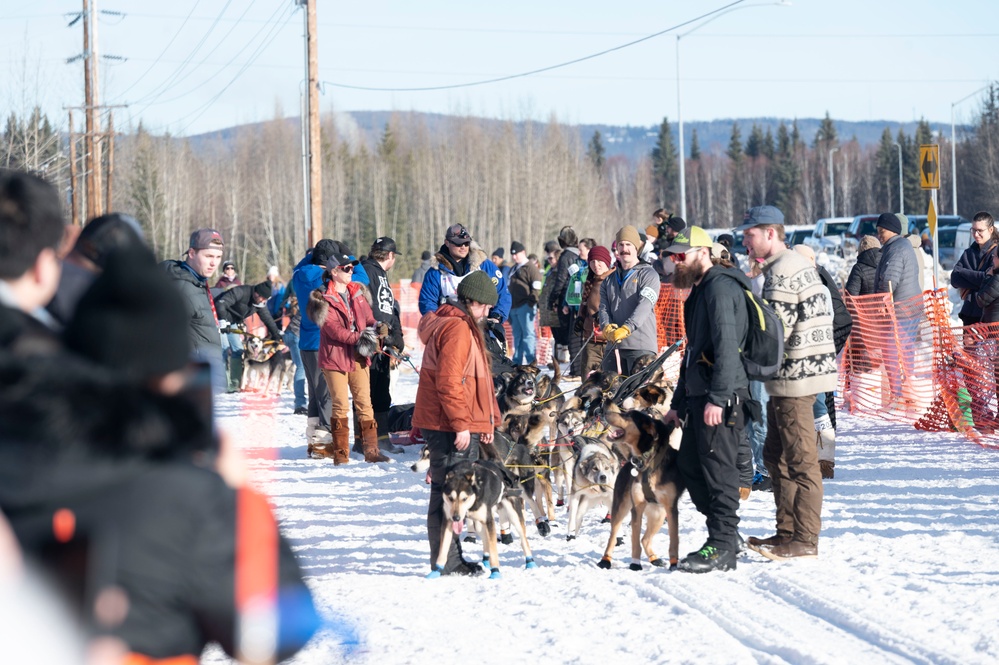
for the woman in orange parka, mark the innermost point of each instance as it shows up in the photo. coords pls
(347, 340)
(456, 405)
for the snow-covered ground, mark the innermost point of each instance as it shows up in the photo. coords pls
(907, 571)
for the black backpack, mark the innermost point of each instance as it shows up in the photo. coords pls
(763, 354)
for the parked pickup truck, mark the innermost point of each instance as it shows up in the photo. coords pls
(828, 235)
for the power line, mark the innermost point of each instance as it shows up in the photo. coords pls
(162, 53)
(543, 69)
(249, 42)
(164, 85)
(268, 39)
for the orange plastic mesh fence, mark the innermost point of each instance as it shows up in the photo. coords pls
(669, 326)
(906, 363)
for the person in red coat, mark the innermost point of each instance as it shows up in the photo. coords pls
(347, 340)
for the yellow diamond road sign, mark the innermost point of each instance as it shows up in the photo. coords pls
(929, 166)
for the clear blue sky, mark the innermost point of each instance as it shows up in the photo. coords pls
(234, 62)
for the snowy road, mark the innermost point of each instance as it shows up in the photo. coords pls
(907, 573)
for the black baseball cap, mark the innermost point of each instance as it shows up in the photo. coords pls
(457, 234)
(384, 244)
(337, 259)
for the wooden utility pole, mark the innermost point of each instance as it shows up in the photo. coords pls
(73, 203)
(110, 140)
(315, 150)
(89, 164)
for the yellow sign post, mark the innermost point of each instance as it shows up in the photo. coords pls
(929, 166)
(929, 178)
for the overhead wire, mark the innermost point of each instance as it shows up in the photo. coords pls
(166, 48)
(249, 42)
(267, 40)
(549, 68)
(167, 82)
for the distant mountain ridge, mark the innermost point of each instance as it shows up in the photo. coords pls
(632, 142)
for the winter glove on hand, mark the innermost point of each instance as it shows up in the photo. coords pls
(382, 330)
(618, 334)
(223, 324)
(609, 330)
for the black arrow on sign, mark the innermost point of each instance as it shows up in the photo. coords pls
(929, 168)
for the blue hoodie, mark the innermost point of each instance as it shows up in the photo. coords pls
(305, 279)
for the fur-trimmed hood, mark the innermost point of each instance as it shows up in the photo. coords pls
(442, 260)
(318, 306)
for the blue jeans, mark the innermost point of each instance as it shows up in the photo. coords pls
(525, 339)
(291, 341)
(757, 432)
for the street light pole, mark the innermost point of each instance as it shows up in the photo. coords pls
(901, 190)
(953, 147)
(679, 123)
(679, 110)
(832, 185)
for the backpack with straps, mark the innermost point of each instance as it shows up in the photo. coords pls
(763, 353)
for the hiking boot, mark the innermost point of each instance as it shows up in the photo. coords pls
(707, 559)
(301, 411)
(827, 468)
(760, 544)
(794, 549)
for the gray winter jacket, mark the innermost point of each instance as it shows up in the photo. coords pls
(898, 268)
(629, 299)
(204, 329)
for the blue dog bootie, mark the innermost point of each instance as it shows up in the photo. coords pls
(529, 562)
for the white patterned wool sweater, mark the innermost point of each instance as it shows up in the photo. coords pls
(795, 290)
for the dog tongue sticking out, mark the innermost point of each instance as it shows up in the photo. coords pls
(457, 526)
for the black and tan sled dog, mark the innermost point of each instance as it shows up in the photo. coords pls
(649, 485)
(480, 491)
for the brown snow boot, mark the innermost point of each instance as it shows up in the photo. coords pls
(341, 441)
(369, 435)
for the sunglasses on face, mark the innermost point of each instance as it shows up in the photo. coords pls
(346, 268)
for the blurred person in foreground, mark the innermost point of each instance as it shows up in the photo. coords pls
(456, 405)
(118, 489)
(31, 228)
(97, 240)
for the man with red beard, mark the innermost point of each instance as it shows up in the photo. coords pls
(710, 394)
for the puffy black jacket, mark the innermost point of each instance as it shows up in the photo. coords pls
(861, 279)
(842, 321)
(968, 275)
(236, 304)
(987, 300)
(203, 331)
(140, 513)
(716, 324)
